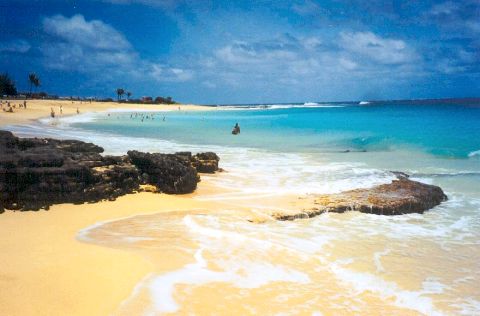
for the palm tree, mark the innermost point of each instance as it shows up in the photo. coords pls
(129, 94)
(32, 77)
(36, 83)
(120, 93)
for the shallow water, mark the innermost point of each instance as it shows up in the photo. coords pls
(333, 264)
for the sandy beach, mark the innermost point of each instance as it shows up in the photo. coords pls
(37, 109)
(220, 250)
(45, 270)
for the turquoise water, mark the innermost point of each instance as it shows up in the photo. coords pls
(448, 130)
(425, 264)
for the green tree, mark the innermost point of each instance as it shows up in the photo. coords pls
(34, 81)
(7, 86)
(120, 93)
(129, 94)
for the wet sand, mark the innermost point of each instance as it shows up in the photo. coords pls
(44, 269)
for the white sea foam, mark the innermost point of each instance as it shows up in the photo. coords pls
(413, 300)
(278, 106)
(293, 106)
(475, 153)
(468, 306)
(377, 259)
(239, 270)
(252, 275)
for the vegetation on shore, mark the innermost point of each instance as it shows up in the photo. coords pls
(146, 99)
(8, 89)
(7, 85)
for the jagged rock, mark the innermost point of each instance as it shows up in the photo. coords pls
(206, 162)
(36, 173)
(402, 196)
(170, 173)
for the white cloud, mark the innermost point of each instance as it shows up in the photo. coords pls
(312, 42)
(310, 64)
(96, 48)
(209, 84)
(445, 8)
(347, 63)
(242, 52)
(92, 34)
(382, 50)
(306, 7)
(456, 17)
(15, 46)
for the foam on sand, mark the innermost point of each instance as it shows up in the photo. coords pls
(413, 300)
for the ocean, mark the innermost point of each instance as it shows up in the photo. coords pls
(332, 264)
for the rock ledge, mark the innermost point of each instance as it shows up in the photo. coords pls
(402, 196)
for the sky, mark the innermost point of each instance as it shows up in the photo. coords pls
(251, 51)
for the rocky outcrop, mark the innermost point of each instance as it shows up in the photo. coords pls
(168, 172)
(203, 162)
(402, 196)
(36, 173)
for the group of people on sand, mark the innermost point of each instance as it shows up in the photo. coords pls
(52, 111)
(8, 107)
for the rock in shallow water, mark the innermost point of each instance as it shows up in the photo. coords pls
(402, 196)
(206, 162)
(169, 173)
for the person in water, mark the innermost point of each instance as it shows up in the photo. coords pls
(236, 129)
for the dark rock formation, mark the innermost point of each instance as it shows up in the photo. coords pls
(204, 162)
(168, 172)
(36, 173)
(402, 196)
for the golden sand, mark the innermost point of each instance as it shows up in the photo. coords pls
(41, 108)
(44, 270)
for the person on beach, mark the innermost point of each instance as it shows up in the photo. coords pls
(52, 113)
(78, 111)
(61, 109)
(236, 129)
(24, 104)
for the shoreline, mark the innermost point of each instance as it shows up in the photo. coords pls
(45, 264)
(40, 109)
(58, 271)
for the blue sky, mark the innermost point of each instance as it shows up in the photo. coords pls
(245, 51)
